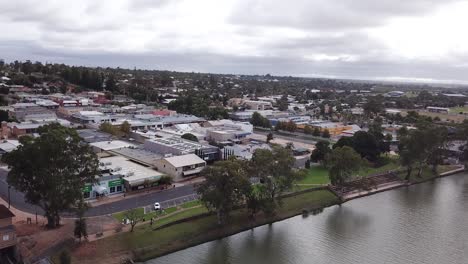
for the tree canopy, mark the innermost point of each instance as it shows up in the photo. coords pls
(342, 163)
(322, 148)
(225, 186)
(52, 169)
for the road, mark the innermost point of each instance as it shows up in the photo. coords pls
(299, 137)
(18, 200)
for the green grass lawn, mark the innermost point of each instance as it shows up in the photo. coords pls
(367, 171)
(191, 204)
(456, 110)
(316, 175)
(319, 175)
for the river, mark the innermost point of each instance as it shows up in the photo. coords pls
(425, 223)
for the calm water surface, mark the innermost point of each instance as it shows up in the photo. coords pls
(426, 223)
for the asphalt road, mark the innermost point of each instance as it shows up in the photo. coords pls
(18, 201)
(294, 137)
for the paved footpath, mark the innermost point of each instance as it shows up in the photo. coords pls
(129, 202)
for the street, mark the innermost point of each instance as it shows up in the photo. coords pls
(18, 200)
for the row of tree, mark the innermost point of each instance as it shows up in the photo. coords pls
(257, 184)
(199, 106)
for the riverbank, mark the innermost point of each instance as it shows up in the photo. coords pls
(147, 242)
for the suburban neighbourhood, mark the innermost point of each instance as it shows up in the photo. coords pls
(153, 150)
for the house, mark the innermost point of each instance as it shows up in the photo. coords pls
(7, 233)
(182, 166)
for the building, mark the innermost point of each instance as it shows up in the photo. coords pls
(7, 233)
(395, 94)
(7, 146)
(182, 166)
(441, 110)
(101, 146)
(119, 174)
(91, 135)
(257, 105)
(178, 146)
(334, 128)
(20, 110)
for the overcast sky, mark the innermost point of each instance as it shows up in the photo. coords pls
(367, 39)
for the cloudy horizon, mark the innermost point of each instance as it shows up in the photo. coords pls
(396, 40)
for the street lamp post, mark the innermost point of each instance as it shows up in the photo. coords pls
(9, 200)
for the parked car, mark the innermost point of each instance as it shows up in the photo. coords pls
(157, 206)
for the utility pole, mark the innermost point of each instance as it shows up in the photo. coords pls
(9, 199)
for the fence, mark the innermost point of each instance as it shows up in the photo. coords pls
(172, 203)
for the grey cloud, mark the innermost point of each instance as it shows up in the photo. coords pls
(327, 14)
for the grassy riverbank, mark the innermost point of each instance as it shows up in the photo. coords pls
(146, 242)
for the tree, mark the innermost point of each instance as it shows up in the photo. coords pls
(165, 180)
(388, 137)
(4, 116)
(190, 137)
(342, 163)
(259, 121)
(308, 130)
(80, 230)
(134, 217)
(126, 128)
(283, 103)
(320, 152)
(326, 133)
(111, 84)
(344, 141)
(269, 137)
(422, 146)
(224, 188)
(366, 145)
(52, 169)
(108, 128)
(374, 106)
(316, 132)
(274, 168)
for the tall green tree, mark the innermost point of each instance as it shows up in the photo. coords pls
(342, 163)
(81, 230)
(326, 133)
(225, 186)
(322, 148)
(274, 168)
(52, 170)
(374, 106)
(126, 128)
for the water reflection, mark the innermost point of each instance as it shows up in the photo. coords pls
(343, 221)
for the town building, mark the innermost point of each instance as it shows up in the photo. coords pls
(180, 167)
(7, 234)
(179, 146)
